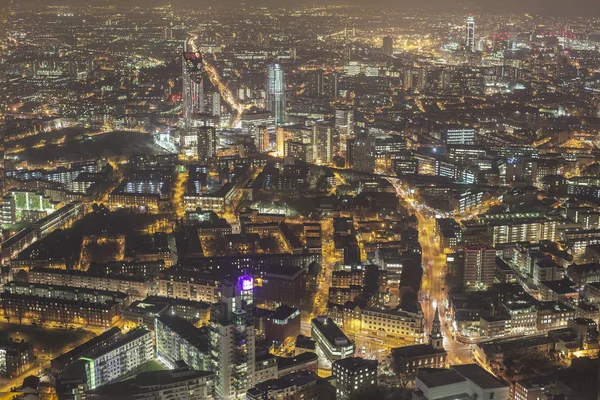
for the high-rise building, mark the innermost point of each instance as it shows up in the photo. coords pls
(480, 267)
(457, 136)
(344, 121)
(262, 138)
(280, 140)
(470, 32)
(275, 92)
(120, 358)
(232, 339)
(193, 90)
(320, 82)
(414, 79)
(182, 383)
(326, 142)
(360, 153)
(179, 340)
(216, 104)
(334, 85)
(353, 376)
(388, 46)
(207, 143)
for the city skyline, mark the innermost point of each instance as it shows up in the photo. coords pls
(317, 201)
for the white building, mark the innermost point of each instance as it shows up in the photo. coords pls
(468, 381)
(123, 356)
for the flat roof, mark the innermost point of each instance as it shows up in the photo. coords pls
(166, 377)
(438, 378)
(302, 358)
(186, 330)
(356, 362)
(417, 350)
(130, 336)
(330, 330)
(479, 376)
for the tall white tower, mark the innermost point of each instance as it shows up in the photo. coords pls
(470, 42)
(275, 92)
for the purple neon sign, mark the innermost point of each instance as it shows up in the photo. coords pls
(246, 282)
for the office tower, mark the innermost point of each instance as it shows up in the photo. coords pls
(193, 91)
(414, 79)
(459, 136)
(354, 376)
(320, 82)
(360, 153)
(334, 85)
(344, 121)
(388, 46)
(280, 139)
(262, 138)
(2, 161)
(480, 267)
(350, 152)
(207, 143)
(216, 104)
(354, 68)
(470, 42)
(326, 142)
(232, 340)
(275, 92)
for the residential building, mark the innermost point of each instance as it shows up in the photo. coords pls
(178, 340)
(479, 267)
(353, 376)
(121, 357)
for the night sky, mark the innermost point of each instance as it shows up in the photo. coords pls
(584, 8)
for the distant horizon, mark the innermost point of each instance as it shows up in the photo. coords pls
(574, 8)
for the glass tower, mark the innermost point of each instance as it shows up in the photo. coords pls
(275, 92)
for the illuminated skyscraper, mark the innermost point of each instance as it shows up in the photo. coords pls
(388, 46)
(207, 143)
(470, 42)
(232, 339)
(193, 91)
(320, 82)
(326, 142)
(275, 91)
(360, 153)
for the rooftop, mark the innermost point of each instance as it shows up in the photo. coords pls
(356, 362)
(437, 378)
(302, 358)
(127, 338)
(416, 351)
(562, 286)
(479, 376)
(195, 336)
(330, 330)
